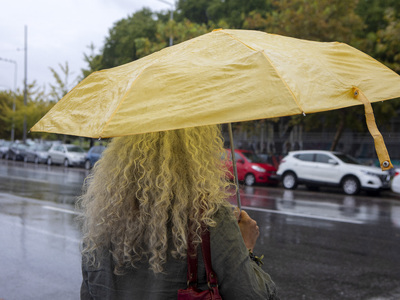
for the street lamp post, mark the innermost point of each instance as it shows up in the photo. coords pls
(171, 17)
(15, 93)
(25, 79)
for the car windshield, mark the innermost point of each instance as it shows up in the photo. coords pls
(75, 149)
(43, 148)
(252, 157)
(347, 159)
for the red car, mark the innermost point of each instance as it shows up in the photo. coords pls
(251, 168)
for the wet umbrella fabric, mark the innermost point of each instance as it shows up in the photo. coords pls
(221, 77)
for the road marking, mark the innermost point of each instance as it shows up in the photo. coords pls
(67, 211)
(302, 215)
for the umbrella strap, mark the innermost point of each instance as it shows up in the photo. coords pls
(380, 147)
(234, 167)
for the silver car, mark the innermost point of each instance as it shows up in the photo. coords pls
(37, 153)
(67, 155)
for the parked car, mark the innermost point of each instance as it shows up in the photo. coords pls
(251, 168)
(66, 154)
(37, 153)
(93, 156)
(4, 146)
(396, 181)
(326, 168)
(16, 151)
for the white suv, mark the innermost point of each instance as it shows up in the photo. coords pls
(316, 168)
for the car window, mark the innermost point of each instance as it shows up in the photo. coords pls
(72, 148)
(22, 146)
(238, 156)
(305, 156)
(58, 148)
(42, 148)
(347, 159)
(252, 157)
(98, 149)
(322, 158)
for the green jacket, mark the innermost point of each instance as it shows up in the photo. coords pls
(238, 276)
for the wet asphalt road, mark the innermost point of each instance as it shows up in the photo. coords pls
(317, 245)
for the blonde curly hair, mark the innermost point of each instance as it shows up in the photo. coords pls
(145, 185)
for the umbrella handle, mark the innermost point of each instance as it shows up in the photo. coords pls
(235, 169)
(380, 147)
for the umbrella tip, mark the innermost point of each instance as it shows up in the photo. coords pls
(304, 114)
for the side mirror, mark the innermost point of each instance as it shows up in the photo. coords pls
(240, 161)
(332, 162)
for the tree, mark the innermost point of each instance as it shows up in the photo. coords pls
(121, 44)
(319, 20)
(229, 13)
(35, 109)
(93, 60)
(62, 86)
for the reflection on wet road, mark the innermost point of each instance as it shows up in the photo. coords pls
(336, 207)
(51, 183)
(321, 245)
(317, 245)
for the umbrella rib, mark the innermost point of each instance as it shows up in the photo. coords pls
(120, 103)
(285, 83)
(267, 58)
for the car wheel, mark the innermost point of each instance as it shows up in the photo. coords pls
(289, 181)
(36, 160)
(249, 179)
(49, 161)
(87, 164)
(351, 185)
(66, 163)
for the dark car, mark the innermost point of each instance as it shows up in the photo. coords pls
(37, 153)
(16, 151)
(4, 146)
(93, 156)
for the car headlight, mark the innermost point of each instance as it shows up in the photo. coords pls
(258, 169)
(370, 173)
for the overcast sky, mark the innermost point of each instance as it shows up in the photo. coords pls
(58, 32)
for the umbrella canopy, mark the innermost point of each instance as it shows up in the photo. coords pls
(221, 77)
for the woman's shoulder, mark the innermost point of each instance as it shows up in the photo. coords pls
(225, 220)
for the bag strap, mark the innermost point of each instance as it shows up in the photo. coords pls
(192, 261)
(206, 251)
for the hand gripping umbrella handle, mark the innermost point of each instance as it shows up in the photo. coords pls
(381, 151)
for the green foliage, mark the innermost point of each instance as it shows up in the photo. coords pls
(33, 111)
(229, 12)
(319, 20)
(372, 26)
(62, 85)
(121, 45)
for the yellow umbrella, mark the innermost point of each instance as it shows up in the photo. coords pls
(221, 77)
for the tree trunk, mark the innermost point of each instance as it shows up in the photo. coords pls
(339, 130)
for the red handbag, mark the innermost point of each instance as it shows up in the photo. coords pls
(192, 292)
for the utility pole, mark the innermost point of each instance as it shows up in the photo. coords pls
(171, 17)
(15, 93)
(25, 79)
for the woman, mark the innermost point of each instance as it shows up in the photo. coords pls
(139, 200)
